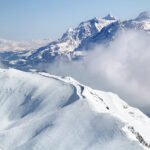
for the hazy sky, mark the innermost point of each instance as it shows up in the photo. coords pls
(40, 19)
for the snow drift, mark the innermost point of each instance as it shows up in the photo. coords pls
(39, 111)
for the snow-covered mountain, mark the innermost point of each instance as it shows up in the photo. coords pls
(65, 46)
(73, 43)
(73, 38)
(142, 22)
(58, 113)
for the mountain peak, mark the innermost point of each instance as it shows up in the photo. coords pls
(144, 15)
(91, 21)
(110, 17)
(70, 30)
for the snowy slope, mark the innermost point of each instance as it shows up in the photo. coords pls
(39, 111)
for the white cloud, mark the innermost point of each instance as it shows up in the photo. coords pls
(10, 45)
(123, 67)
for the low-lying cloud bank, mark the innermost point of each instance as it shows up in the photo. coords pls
(10, 45)
(122, 67)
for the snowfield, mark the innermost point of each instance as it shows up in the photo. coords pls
(39, 111)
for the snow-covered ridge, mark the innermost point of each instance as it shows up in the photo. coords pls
(41, 111)
(144, 15)
(142, 22)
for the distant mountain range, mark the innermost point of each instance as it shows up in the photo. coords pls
(75, 41)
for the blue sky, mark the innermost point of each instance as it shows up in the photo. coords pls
(40, 19)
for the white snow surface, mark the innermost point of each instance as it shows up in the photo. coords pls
(39, 111)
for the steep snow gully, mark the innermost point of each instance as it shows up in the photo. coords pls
(39, 111)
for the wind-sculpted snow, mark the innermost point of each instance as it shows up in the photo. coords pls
(39, 111)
